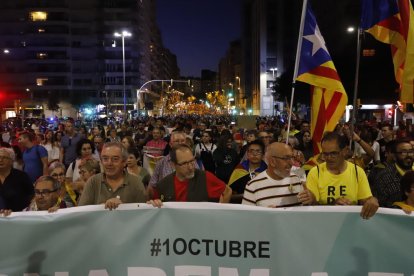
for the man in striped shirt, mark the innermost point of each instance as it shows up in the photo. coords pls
(277, 186)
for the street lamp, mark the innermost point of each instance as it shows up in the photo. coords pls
(350, 29)
(123, 35)
(273, 72)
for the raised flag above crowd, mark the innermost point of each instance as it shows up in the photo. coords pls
(392, 22)
(317, 69)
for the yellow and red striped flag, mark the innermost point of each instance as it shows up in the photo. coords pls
(392, 22)
(317, 69)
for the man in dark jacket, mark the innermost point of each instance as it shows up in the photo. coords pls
(189, 184)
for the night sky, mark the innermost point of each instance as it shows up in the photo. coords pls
(198, 31)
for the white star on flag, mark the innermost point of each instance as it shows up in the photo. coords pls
(317, 40)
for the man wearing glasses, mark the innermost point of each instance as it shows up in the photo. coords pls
(277, 186)
(115, 185)
(337, 181)
(386, 184)
(189, 184)
(47, 195)
(247, 169)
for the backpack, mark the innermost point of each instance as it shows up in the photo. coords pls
(206, 157)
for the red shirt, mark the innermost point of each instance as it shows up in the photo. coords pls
(159, 144)
(215, 188)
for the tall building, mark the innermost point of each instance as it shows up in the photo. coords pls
(230, 79)
(208, 81)
(270, 30)
(65, 51)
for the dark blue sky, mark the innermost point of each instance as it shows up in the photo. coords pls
(198, 31)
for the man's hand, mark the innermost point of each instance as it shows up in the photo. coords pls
(343, 201)
(5, 212)
(155, 203)
(53, 209)
(113, 203)
(369, 208)
(306, 197)
(226, 195)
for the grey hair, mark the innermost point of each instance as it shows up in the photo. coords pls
(55, 165)
(124, 151)
(9, 151)
(56, 184)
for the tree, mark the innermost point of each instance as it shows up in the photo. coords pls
(282, 88)
(79, 100)
(53, 102)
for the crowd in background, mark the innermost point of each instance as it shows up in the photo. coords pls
(50, 167)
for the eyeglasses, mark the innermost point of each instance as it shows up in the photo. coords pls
(44, 192)
(332, 154)
(57, 175)
(113, 159)
(285, 158)
(255, 152)
(265, 137)
(406, 152)
(5, 158)
(191, 162)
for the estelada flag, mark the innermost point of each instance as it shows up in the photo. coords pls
(316, 68)
(392, 22)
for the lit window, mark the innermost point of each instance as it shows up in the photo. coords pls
(368, 52)
(40, 30)
(41, 55)
(41, 81)
(38, 16)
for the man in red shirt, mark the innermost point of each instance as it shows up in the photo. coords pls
(188, 183)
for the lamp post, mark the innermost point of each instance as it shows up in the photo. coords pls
(123, 35)
(238, 96)
(351, 29)
(106, 104)
(273, 72)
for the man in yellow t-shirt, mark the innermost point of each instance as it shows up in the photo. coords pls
(337, 181)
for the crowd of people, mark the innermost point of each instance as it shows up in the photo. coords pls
(206, 158)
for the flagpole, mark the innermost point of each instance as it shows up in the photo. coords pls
(295, 72)
(354, 103)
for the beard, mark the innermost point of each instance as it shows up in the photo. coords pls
(281, 173)
(189, 176)
(405, 163)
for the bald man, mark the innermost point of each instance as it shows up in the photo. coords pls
(277, 186)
